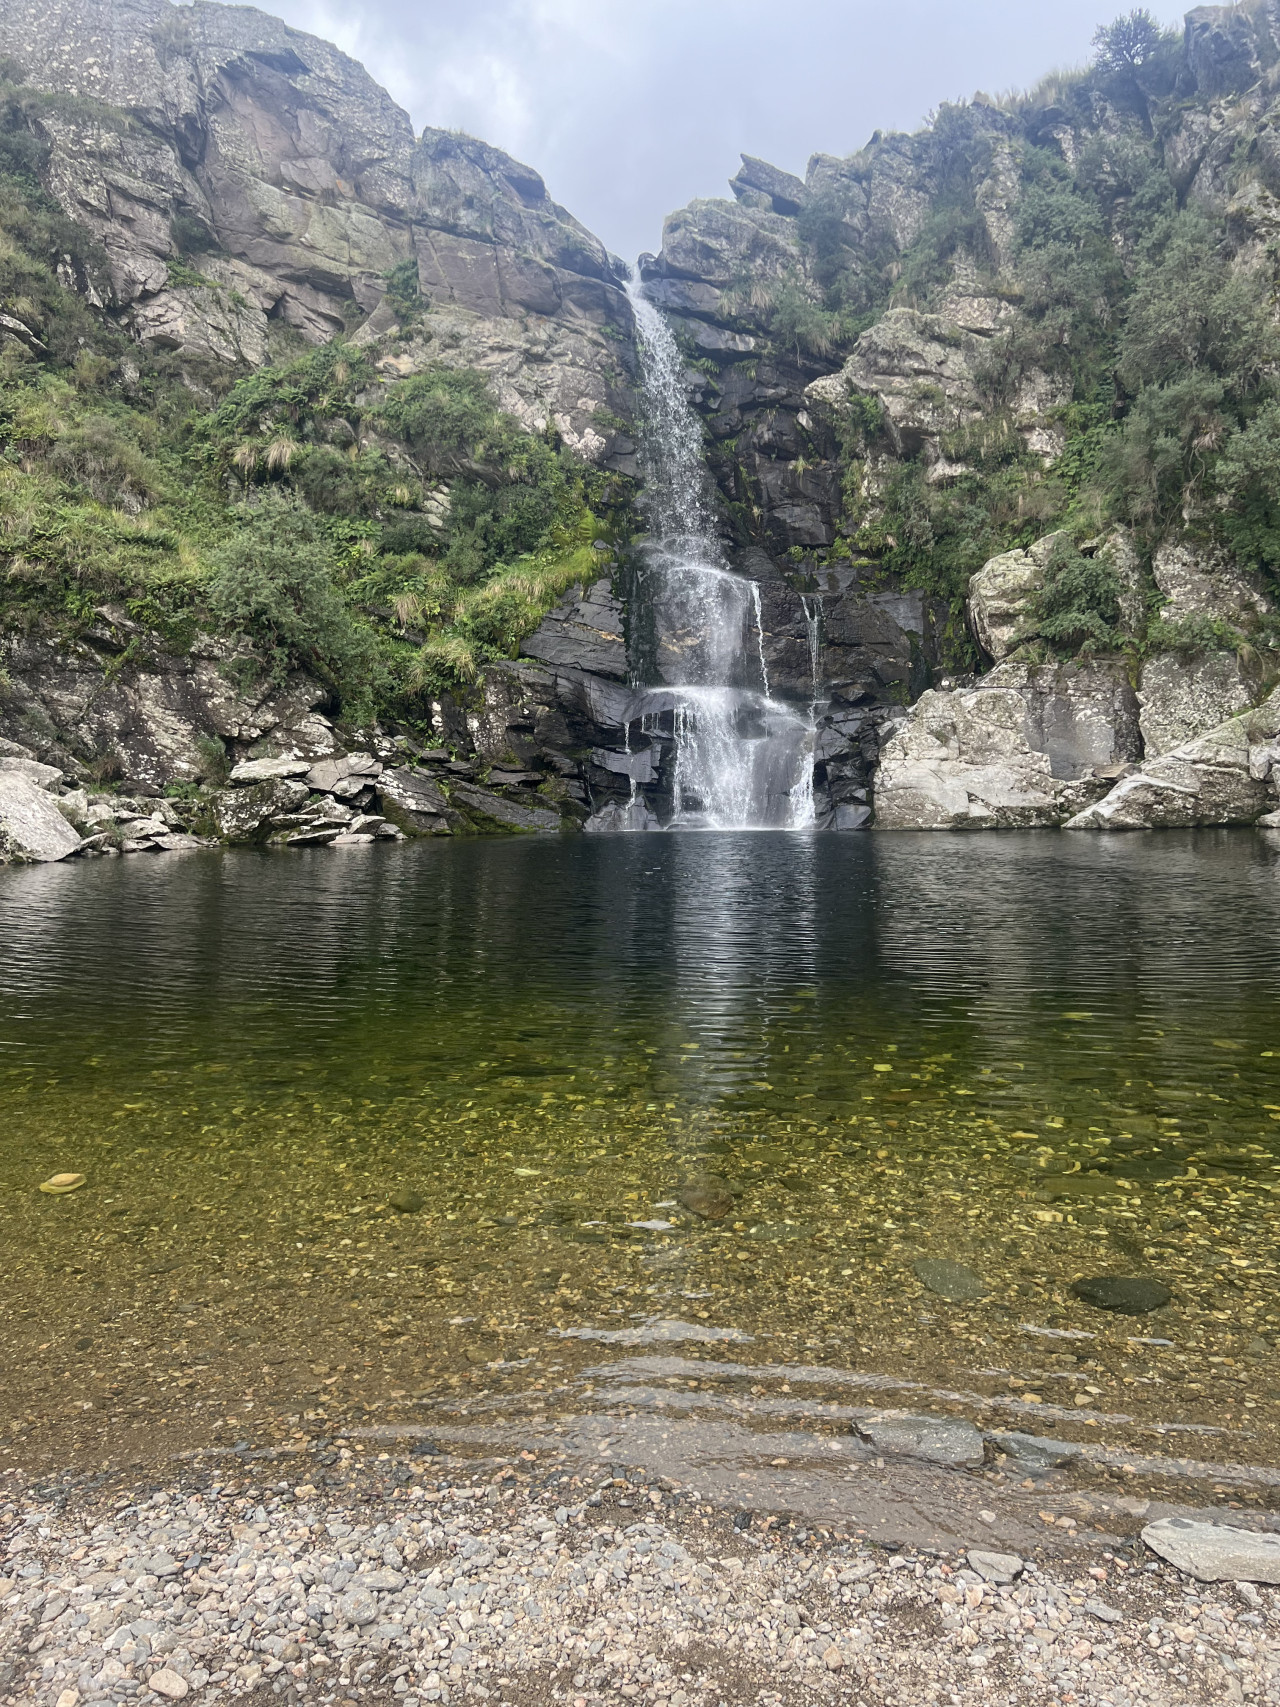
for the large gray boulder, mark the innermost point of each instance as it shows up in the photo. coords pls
(1224, 777)
(32, 829)
(1000, 595)
(1205, 581)
(1028, 746)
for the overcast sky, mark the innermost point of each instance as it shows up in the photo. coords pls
(631, 110)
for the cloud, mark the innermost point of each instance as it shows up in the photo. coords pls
(630, 110)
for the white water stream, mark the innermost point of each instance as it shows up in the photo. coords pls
(743, 760)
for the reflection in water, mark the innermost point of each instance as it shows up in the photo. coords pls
(815, 1059)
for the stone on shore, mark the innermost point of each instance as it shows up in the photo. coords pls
(1213, 1552)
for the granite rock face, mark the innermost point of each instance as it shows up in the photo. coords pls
(1027, 746)
(1227, 776)
(240, 173)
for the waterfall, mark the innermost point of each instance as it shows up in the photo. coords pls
(742, 759)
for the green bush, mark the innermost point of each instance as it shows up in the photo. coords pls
(1077, 608)
(273, 582)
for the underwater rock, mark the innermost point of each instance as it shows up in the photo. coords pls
(58, 1185)
(950, 1280)
(1129, 1295)
(950, 1441)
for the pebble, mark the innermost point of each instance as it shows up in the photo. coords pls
(58, 1185)
(407, 1202)
(952, 1441)
(576, 1591)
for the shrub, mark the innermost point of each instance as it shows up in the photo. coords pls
(273, 582)
(1077, 608)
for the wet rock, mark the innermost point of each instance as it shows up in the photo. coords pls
(1128, 1295)
(584, 631)
(995, 1567)
(32, 830)
(1215, 1553)
(318, 837)
(711, 1201)
(950, 1280)
(413, 801)
(950, 1441)
(485, 804)
(407, 1202)
(1035, 1453)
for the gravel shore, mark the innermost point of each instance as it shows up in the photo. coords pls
(508, 1583)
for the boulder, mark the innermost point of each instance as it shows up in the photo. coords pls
(32, 829)
(1210, 780)
(1000, 593)
(1184, 696)
(965, 760)
(252, 771)
(412, 801)
(326, 776)
(1215, 1553)
(44, 776)
(780, 191)
(485, 804)
(248, 813)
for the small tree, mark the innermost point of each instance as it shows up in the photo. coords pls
(1130, 52)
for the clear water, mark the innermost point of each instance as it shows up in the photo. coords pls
(815, 1058)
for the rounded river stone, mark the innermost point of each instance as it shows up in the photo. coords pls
(1130, 1295)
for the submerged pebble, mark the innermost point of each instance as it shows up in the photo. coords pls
(950, 1280)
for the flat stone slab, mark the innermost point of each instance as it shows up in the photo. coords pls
(995, 1567)
(1035, 1451)
(32, 830)
(1212, 1553)
(950, 1441)
(268, 770)
(950, 1280)
(1128, 1295)
(538, 819)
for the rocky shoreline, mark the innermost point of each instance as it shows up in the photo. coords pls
(516, 1580)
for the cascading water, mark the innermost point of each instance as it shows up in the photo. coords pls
(743, 760)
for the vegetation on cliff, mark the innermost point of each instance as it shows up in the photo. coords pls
(388, 534)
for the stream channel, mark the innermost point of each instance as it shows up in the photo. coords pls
(624, 1149)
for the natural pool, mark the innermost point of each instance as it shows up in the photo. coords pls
(380, 1128)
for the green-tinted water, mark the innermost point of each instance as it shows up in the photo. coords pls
(363, 1126)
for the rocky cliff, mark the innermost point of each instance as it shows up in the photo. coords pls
(239, 174)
